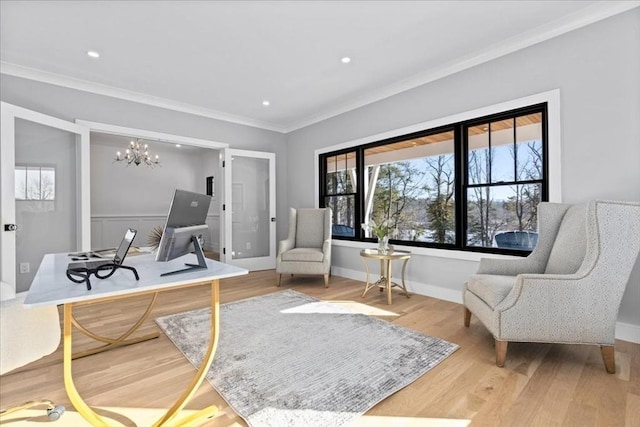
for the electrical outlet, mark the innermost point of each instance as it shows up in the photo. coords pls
(24, 267)
(248, 245)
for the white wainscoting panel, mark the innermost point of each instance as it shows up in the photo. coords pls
(107, 230)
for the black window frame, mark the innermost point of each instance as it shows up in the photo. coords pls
(461, 154)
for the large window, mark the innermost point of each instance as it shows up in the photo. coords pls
(473, 185)
(505, 181)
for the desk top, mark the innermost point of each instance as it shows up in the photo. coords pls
(392, 254)
(52, 287)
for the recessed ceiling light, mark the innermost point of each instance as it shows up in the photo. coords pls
(178, 145)
(93, 54)
(345, 60)
(266, 103)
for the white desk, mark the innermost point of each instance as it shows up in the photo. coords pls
(52, 287)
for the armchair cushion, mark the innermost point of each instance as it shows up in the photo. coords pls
(570, 246)
(491, 288)
(303, 254)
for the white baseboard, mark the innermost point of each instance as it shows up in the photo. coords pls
(628, 332)
(624, 331)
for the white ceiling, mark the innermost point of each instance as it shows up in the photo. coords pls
(222, 59)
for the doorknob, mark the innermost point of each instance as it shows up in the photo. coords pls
(273, 219)
(10, 227)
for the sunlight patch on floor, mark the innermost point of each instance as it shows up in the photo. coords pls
(337, 307)
(358, 307)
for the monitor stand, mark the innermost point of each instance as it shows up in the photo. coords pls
(201, 265)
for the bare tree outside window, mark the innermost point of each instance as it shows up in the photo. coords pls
(397, 186)
(482, 219)
(35, 183)
(340, 187)
(416, 192)
(524, 202)
(440, 203)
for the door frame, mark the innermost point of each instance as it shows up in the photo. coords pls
(8, 115)
(157, 136)
(226, 224)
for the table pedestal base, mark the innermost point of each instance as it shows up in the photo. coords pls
(169, 418)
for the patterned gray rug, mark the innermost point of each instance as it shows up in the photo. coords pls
(287, 359)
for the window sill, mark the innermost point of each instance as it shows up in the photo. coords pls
(432, 252)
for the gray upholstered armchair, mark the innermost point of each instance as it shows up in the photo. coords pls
(569, 289)
(307, 249)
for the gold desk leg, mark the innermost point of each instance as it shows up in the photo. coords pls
(210, 411)
(122, 339)
(96, 420)
(77, 401)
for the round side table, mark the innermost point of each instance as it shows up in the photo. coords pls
(385, 282)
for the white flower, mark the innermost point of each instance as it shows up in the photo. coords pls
(381, 230)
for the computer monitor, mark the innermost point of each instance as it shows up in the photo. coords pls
(184, 229)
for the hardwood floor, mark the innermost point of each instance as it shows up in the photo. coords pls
(540, 385)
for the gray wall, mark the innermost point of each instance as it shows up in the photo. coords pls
(597, 70)
(117, 189)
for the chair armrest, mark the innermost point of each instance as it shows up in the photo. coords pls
(532, 287)
(557, 308)
(326, 249)
(285, 245)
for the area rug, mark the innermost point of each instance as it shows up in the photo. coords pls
(288, 359)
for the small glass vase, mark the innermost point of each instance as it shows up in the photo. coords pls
(383, 244)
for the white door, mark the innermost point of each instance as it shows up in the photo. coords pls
(44, 192)
(248, 229)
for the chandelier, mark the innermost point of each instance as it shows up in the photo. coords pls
(138, 153)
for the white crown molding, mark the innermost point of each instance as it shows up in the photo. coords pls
(587, 16)
(114, 92)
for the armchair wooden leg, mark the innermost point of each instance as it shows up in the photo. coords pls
(609, 358)
(501, 352)
(326, 280)
(278, 280)
(467, 317)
